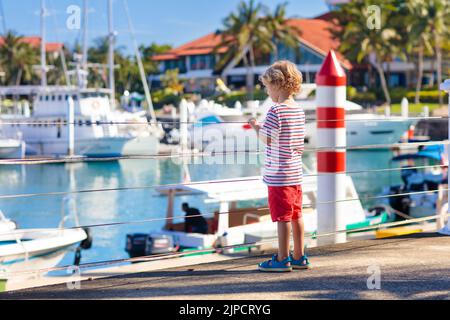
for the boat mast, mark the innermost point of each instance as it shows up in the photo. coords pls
(43, 45)
(140, 66)
(111, 54)
(85, 38)
(2, 15)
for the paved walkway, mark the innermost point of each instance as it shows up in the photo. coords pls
(411, 267)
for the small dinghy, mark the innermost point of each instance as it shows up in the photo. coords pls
(32, 249)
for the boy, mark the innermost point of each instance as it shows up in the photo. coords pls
(283, 133)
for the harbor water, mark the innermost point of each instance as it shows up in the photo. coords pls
(130, 205)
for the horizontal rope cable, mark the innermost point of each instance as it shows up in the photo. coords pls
(175, 121)
(213, 154)
(221, 213)
(63, 193)
(215, 250)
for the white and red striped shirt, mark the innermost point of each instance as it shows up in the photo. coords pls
(285, 126)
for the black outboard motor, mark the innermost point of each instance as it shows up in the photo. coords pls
(136, 243)
(141, 244)
(158, 244)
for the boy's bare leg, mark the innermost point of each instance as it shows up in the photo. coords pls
(284, 233)
(298, 233)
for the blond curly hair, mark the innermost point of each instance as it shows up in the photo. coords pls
(284, 75)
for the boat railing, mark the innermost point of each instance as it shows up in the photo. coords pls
(68, 207)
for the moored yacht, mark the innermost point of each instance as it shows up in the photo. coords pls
(45, 130)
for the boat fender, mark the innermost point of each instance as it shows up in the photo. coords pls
(87, 243)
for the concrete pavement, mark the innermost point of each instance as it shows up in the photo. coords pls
(410, 267)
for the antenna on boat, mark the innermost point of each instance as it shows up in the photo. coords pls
(85, 32)
(111, 38)
(140, 65)
(43, 45)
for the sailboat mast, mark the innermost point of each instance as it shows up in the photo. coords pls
(111, 54)
(85, 38)
(2, 15)
(140, 65)
(43, 46)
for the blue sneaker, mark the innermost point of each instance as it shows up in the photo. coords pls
(275, 266)
(303, 263)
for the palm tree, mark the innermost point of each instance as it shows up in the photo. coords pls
(17, 59)
(251, 27)
(439, 15)
(359, 42)
(281, 30)
(419, 31)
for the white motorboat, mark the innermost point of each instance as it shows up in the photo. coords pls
(212, 133)
(32, 249)
(146, 137)
(222, 129)
(45, 130)
(12, 149)
(363, 128)
(420, 194)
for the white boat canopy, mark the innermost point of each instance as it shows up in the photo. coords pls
(232, 190)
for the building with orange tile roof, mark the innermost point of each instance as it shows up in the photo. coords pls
(196, 60)
(51, 47)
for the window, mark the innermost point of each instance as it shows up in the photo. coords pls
(201, 62)
(175, 64)
(298, 55)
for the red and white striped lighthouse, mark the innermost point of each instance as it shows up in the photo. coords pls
(331, 134)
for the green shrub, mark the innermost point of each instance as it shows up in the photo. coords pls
(426, 96)
(397, 94)
(165, 97)
(230, 99)
(364, 97)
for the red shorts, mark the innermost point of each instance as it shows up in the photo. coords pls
(285, 203)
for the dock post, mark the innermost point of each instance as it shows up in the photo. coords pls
(405, 108)
(183, 126)
(445, 86)
(70, 127)
(331, 133)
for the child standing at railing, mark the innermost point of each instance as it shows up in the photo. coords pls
(283, 132)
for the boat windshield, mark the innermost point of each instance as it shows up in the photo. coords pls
(208, 120)
(93, 95)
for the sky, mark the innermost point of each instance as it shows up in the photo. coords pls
(171, 22)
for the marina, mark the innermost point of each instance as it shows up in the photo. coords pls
(154, 171)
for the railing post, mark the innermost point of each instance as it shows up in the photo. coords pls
(70, 127)
(445, 86)
(331, 133)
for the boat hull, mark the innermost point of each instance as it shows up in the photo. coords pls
(12, 150)
(38, 246)
(363, 133)
(94, 147)
(141, 145)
